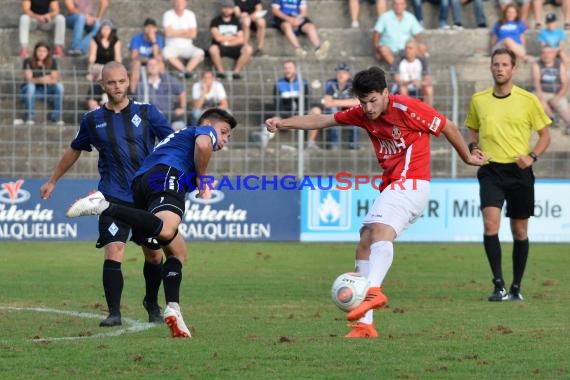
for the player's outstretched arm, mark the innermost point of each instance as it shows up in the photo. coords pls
(65, 162)
(306, 122)
(452, 134)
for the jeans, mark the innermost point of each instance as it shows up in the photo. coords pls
(78, 40)
(334, 135)
(479, 10)
(31, 92)
(455, 10)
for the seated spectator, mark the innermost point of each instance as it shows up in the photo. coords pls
(523, 8)
(554, 37)
(393, 29)
(508, 32)
(252, 17)
(165, 92)
(443, 13)
(84, 22)
(207, 93)
(45, 15)
(338, 96)
(290, 17)
(41, 82)
(287, 92)
(96, 97)
(180, 28)
(538, 7)
(550, 80)
(104, 47)
(227, 41)
(354, 10)
(411, 75)
(144, 46)
(478, 11)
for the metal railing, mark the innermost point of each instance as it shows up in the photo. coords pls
(33, 150)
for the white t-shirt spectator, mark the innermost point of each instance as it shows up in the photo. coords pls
(186, 21)
(213, 98)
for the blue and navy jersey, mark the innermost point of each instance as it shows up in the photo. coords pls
(123, 140)
(177, 150)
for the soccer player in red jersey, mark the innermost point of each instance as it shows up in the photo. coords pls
(399, 128)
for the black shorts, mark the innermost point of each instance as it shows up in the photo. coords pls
(277, 24)
(232, 52)
(111, 230)
(507, 182)
(160, 188)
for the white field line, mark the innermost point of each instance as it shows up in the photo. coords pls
(134, 326)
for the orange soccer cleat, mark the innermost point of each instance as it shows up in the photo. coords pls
(362, 330)
(375, 299)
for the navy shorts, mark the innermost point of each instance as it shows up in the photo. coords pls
(507, 182)
(111, 230)
(160, 188)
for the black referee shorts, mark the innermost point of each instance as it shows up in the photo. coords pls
(507, 182)
(160, 188)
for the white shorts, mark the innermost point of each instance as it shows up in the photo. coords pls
(399, 205)
(186, 50)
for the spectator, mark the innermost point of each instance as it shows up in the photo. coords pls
(96, 97)
(41, 82)
(522, 6)
(290, 17)
(550, 80)
(411, 75)
(104, 47)
(338, 97)
(393, 29)
(478, 11)
(554, 37)
(227, 41)
(287, 91)
(82, 19)
(207, 93)
(443, 13)
(165, 92)
(354, 9)
(252, 17)
(180, 28)
(508, 32)
(43, 14)
(143, 46)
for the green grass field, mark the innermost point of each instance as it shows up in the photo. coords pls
(263, 311)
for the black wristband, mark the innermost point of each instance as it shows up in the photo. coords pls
(533, 156)
(472, 146)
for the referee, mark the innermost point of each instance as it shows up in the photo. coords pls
(501, 120)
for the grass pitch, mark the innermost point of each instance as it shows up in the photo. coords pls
(263, 310)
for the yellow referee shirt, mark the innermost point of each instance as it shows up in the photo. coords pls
(505, 124)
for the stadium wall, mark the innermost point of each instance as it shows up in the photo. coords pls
(284, 209)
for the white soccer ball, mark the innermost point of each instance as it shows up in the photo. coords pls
(349, 290)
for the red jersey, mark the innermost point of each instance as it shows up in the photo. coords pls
(400, 135)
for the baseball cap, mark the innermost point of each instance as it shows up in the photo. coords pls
(227, 3)
(108, 23)
(149, 21)
(551, 17)
(342, 66)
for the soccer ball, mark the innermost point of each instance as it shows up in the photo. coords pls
(348, 290)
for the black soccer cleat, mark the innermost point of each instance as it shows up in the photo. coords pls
(498, 295)
(111, 320)
(153, 310)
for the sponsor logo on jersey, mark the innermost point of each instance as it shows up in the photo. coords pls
(435, 123)
(136, 120)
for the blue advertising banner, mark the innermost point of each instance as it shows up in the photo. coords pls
(25, 216)
(230, 215)
(452, 214)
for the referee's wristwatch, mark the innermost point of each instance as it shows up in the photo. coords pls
(533, 156)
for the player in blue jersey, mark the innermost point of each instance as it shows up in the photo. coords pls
(172, 169)
(124, 132)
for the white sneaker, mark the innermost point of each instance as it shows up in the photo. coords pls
(173, 318)
(93, 204)
(355, 25)
(323, 50)
(300, 52)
